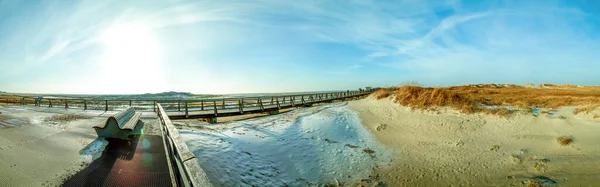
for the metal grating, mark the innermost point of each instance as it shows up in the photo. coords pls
(138, 162)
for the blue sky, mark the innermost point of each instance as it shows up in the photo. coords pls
(90, 46)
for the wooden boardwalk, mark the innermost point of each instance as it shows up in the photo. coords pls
(187, 109)
(213, 108)
(162, 158)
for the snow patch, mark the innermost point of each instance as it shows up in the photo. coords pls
(310, 146)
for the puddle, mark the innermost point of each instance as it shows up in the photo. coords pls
(307, 147)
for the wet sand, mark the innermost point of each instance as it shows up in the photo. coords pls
(447, 148)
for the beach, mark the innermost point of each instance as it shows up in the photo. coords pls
(45, 146)
(445, 147)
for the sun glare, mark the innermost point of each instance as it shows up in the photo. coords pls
(131, 52)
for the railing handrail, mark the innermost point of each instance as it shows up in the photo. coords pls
(187, 163)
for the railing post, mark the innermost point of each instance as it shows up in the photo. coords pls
(303, 102)
(23, 101)
(202, 105)
(261, 104)
(223, 106)
(84, 104)
(66, 103)
(293, 98)
(271, 101)
(283, 100)
(215, 107)
(241, 105)
(50, 104)
(186, 109)
(154, 105)
(106, 105)
(129, 102)
(278, 106)
(179, 106)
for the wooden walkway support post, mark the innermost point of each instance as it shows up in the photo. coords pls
(241, 105)
(215, 107)
(186, 110)
(106, 106)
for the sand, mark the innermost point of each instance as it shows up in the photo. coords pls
(38, 152)
(446, 148)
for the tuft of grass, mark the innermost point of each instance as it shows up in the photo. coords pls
(66, 117)
(564, 141)
(596, 116)
(367, 150)
(586, 109)
(534, 183)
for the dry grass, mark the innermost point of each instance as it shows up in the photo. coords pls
(66, 117)
(564, 141)
(596, 116)
(534, 183)
(471, 98)
(381, 93)
(10, 99)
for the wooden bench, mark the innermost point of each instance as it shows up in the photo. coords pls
(120, 125)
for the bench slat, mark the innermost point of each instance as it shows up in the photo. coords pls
(130, 125)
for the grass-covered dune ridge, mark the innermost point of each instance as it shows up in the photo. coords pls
(477, 98)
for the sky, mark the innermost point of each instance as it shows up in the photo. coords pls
(228, 46)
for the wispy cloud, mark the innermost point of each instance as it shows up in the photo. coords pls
(435, 42)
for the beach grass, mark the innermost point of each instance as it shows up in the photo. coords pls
(66, 117)
(564, 140)
(471, 99)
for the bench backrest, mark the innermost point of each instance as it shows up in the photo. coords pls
(124, 116)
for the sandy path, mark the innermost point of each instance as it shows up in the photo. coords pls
(34, 152)
(445, 147)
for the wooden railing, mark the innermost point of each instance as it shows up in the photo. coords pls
(183, 162)
(213, 104)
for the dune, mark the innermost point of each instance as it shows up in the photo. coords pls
(443, 146)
